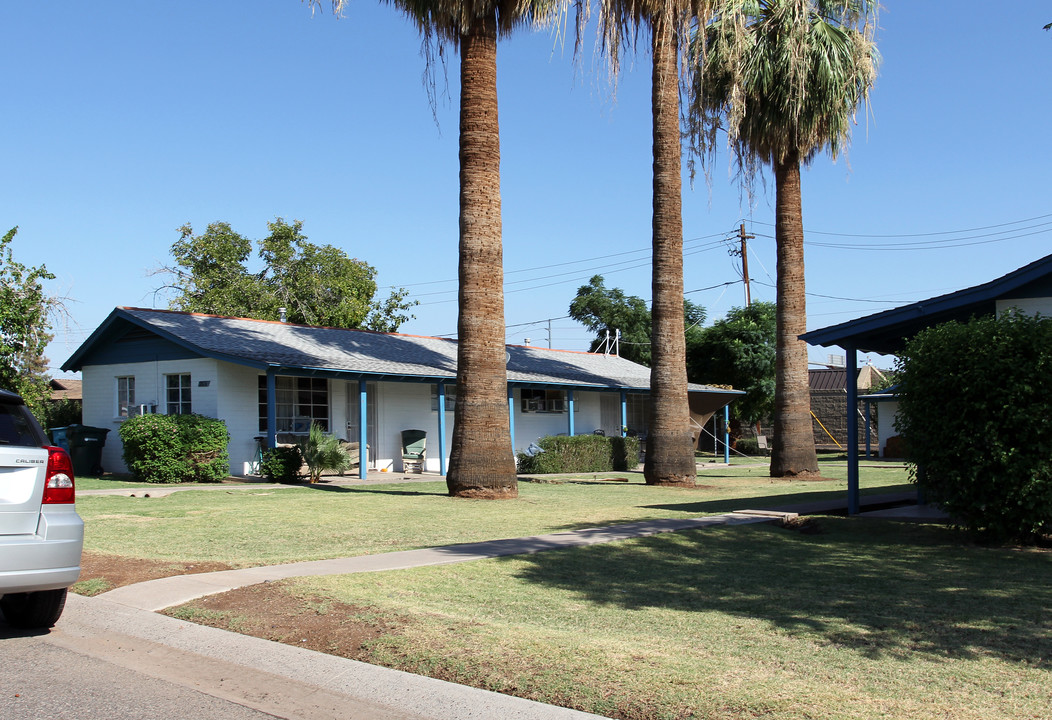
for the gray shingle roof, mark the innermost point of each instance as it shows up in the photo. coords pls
(262, 343)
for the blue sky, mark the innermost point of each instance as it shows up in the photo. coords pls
(125, 120)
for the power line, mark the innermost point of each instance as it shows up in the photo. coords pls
(926, 234)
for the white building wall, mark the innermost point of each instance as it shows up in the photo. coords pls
(531, 426)
(887, 416)
(100, 396)
(1030, 306)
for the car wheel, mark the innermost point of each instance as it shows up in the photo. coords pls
(40, 609)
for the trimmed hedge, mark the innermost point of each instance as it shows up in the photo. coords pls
(975, 413)
(176, 448)
(580, 454)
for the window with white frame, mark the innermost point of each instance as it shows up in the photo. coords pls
(451, 397)
(177, 391)
(544, 400)
(126, 396)
(299, 401)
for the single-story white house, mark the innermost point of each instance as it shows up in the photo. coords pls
(270, 380)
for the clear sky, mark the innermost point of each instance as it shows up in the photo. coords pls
(124, 120)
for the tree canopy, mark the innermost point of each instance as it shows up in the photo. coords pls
(24, 326)
(606, 310)
(739, 350)
(316, 284)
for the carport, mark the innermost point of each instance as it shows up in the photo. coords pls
(1029, 288)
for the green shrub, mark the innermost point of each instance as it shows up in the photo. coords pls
(747, 446)
(282, 464)
(976, 416)
(175, 448)
(61, 413)
(581, 453)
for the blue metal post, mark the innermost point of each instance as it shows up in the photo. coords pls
(727, 434)
(869, 431)
(363, 430)
(569, 408)
(853, 497)
(624, 413)
(272, 409)
(511, 416)
(441, 428)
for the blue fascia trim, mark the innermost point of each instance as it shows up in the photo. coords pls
(962, 299)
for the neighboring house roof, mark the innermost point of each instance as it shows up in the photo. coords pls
(66, 389)
(836, 378)
(886, 332)
(299, 349)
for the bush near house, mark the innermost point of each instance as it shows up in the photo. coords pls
(282, 464)
(976, 417)
(176, 448)
(581, 453)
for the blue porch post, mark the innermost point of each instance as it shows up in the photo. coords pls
(869, 432)
(569, 408)
(511, 416)
(624, 413)
(727, 434)
(853, 499)
(441, 428)
(363, 430)
(272, 409)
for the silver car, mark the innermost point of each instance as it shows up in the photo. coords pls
(41, 535)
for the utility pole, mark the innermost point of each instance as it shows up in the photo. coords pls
(745, 262)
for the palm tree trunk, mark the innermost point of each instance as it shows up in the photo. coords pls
(670, 452)
(481, 462)
(793, 449)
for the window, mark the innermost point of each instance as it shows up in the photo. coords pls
(451, 397)
(544, 400)
(299, 402)
(126, 397)
(178, 394)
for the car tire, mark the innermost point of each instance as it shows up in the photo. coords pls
(40, 609)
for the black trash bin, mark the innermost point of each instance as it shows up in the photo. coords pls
(85, 448)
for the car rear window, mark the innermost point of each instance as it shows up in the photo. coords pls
(17, 427)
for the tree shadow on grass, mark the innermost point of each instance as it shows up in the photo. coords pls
(879, 588)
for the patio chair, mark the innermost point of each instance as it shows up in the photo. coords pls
(414, 450)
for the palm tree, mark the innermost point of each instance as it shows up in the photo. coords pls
(669, 449)
(481, 460)
(784, 78)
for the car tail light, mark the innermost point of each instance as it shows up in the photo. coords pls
(58, 487)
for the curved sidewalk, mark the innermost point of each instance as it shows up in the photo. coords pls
(158, 594)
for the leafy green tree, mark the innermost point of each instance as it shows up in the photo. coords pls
(739, 350)
(25, 321)
(316, 284)
(784, 78)
(975, 411)
(604, 311)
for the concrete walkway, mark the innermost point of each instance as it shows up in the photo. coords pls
(158, 594)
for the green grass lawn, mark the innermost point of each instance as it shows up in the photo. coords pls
(245, 527)
(866, 619)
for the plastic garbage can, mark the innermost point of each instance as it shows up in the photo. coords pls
(58, 437)
(85, 448)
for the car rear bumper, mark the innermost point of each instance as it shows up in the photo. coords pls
(45, 560)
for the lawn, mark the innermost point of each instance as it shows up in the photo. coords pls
(864, 619)
(244, 527)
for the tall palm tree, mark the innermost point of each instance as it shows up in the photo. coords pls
(669, 449)
(481, 460)
(785, 78)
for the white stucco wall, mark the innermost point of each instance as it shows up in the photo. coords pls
(100, 396)
(886, 418)
(1030, 306)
